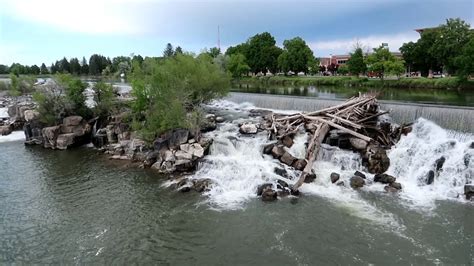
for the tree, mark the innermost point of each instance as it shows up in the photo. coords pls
(238, 49)
(17, 69)
(343, 69)
(262, 53)
(43, 69)
(465, 61)
(74, 66)
(237, 65)
(214, 52)
(168, 52)
(97, 63)
(167, 93)
(382, 62)
(4, 69)
(53, 69)
(356, 64)
(178, 50)
(75, 99)
(84, 66)
(103, 99)
(296, 56)
(450, 42)
(35, 70)
(64, 66)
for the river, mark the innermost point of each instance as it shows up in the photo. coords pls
(79, 207)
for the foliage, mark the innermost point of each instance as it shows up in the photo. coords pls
(450, 42)
(168, 52)
(84, 66)
(74, 66)
(343, 69)
(296, 56)
(237, 65)
(166, 90)
(43, 69)
(75, 98)
(178, 50)
(97, 64)
(356, 64)
(382, 62)
(104, 96)
(51, 106)
(465, 61)
(4, 69)
(214, 52)
(20, 85)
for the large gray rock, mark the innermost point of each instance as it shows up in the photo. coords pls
(469, 191)
(178, 137)
(248, 128)
(31, 115)
(376, 159)
(50, 135)
(299, 164)
(5, 130)
(74, 120)
(334, 177)
(269, 195)
(384, 178)
(65, 141)
(277, 151)
(195, 149)
(287, 159)
(182, 155)
(357, 182)
(184, 165)
(358, 144)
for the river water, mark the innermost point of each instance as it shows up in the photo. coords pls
(79, 207)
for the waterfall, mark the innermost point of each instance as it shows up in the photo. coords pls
(449, 117)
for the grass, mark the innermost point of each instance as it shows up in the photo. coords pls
(347, 81)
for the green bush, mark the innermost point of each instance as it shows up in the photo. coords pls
(167, 90)
(104, 98)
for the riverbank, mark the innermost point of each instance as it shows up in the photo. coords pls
(448, 83)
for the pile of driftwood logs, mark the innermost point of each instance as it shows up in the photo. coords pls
(357, 117)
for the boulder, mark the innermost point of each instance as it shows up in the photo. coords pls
(195, 149)
(31, 115)
(178, 137)
(65, 141)
(376, 159)
(263, 187)
(384, 178)
(310, 177)
(74, 120)
(281, 184)
(184, 165)
(469, 191)
(220, 119)
(334, 177)
(168, 156)
(167, 167)
(160, 144)
(278, 151)
(358, 144)
(430, 177)
(281, 172)
(340, 183)
(205, 144)
(208, 126)
(287, 158)
(267, 149)
(151, 158)
(439, 163)
(357, 182)
(357, 173)
(156, 165)
(299, 164)
(50, 136)
(248, 128)
(5, 130)
(269, 195)
(182, 155)
(210, 117)
(287, 141)
(396, 185)
(202, 185)
(184, 185)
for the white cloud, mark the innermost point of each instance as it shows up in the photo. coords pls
(343, 46)
(86, 16)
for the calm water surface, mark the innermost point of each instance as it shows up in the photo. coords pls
(77, 207)
(441, 97)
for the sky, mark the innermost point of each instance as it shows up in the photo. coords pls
(37, 31)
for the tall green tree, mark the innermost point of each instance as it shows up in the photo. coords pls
(4, 69)
(383, 62)
(356, 63)
(237, 65)
(64, 66)
(296, 56)
(262, 53)
(452, 37)
(74, 66)
(214, 52)
(465, 61)
(178, 50)
(35, 70)
(168, 52)
(97, 64)
(84, 66)
(43, 69)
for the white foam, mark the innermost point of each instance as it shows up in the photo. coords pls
(4, 112)
(14, 136)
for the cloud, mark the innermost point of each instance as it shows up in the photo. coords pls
(86, 16)
(343, 46)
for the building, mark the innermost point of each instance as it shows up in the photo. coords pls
(340, 60)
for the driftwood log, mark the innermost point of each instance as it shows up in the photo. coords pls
(358, 116)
